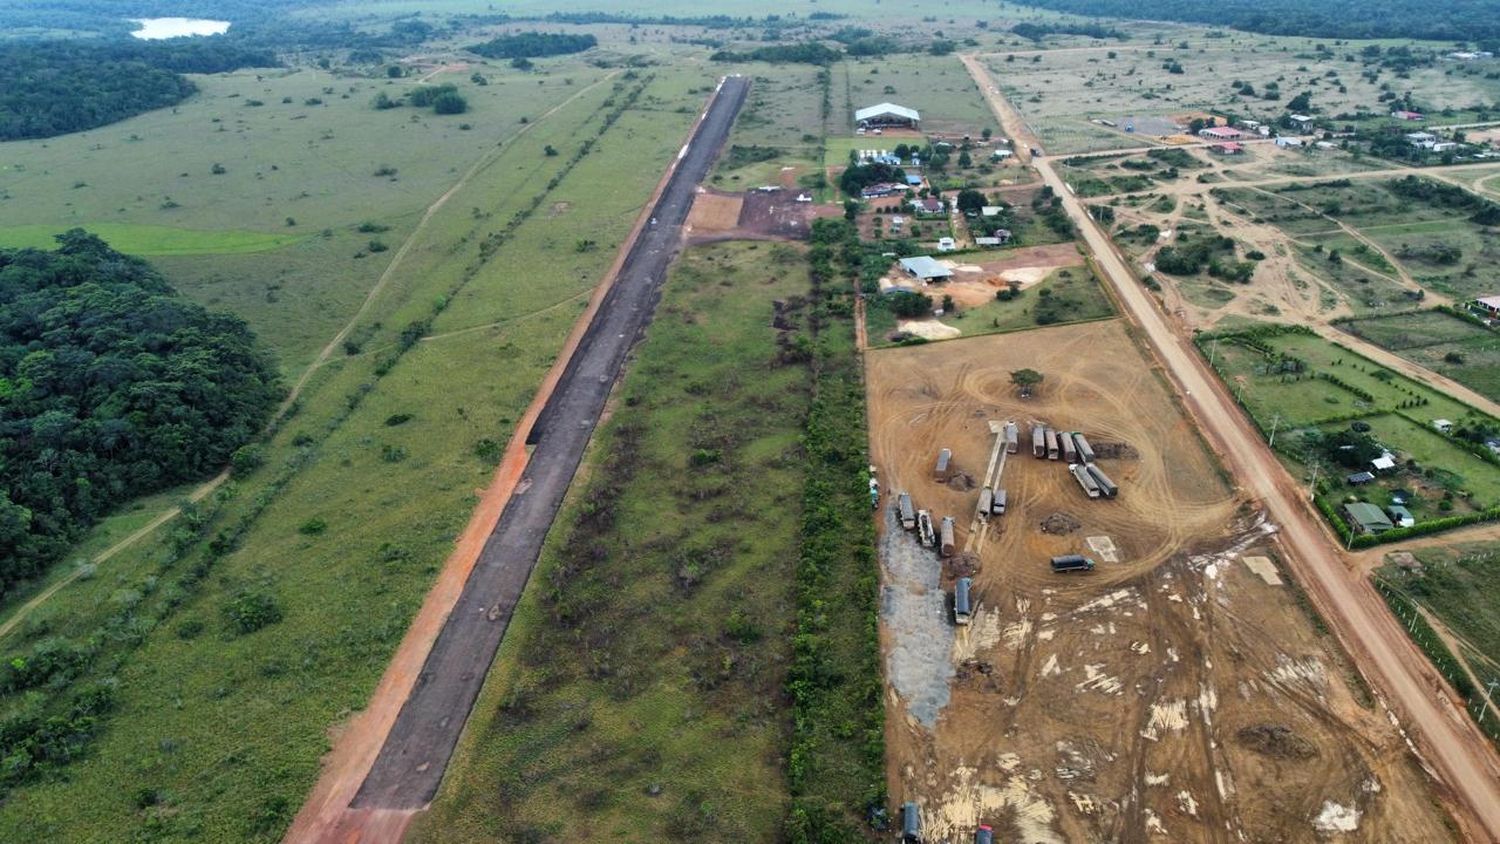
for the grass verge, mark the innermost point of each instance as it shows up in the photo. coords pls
(637, 693)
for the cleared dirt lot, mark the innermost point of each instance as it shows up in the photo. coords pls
(1172, 695)
(753, 215)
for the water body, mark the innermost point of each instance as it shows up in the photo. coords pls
(155, 29)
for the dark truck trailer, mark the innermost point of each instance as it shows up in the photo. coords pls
(1072, 562)
(911, 823)
(1069, 452)
(963, 601)
(946, 532)
(944, 469)
(1085, 451)
(1012, 438)
(908, 515)
(1039, 441)
(1107, 487)
(1053, 450)
(1085, 480)
(986, 501)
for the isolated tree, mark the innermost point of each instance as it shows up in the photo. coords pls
(449, 103)
(971, 201)
(1026, 380)
(851, 209)
(395, 71)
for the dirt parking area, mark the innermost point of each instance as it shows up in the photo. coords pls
(1174, 693)
(755, 215)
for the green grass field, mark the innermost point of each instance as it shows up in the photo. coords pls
(355, 508)
(1459, 349)
(152, 241)
(669, 577)
(1069, 294)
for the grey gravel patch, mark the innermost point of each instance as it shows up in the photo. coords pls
(915, 611)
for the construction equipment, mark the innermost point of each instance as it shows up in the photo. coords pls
(925, 534)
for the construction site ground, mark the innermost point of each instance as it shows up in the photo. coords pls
(753, 215)
(1176, 693)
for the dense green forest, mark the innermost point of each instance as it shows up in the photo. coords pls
(532, 45)
(55, 87)
(111, 386)
(1455, 20)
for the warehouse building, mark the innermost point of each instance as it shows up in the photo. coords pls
(925, 268)
(887, 114)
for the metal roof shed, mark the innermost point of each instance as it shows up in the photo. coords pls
(925, 268)
(1367, 517)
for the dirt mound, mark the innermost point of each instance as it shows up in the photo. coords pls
(1115, 451)
(963, 565)
(1060, 524)
(1277, 741)
(962, 481)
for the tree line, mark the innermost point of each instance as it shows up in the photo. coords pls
(1456, 20)
(52, 88)
(532, 45)
(111, 386)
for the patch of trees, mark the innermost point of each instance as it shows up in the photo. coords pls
(857, 177)
(531, 45)
(807, 52)
(1347, 447)
(52, 88)
(740, 155)
(1460, 20)
(1038, 31)
(443, 99)
(1444, 195)
(1192, 254)
(111, 386)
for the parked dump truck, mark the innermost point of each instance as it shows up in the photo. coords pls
(908, 514)
(1072, 562)
(1107, 487)
(911, 823)
(1054, 450)
(925, 534)
(1039, 441)
(1069, 451)
(986, 499)
(944, 469)
(963, 603)
(1012, 438)
(946, 532)
(1085, 480)
(1085, 451)
(997, 504)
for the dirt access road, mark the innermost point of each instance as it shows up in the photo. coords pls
(415, 745)
(1462, 758)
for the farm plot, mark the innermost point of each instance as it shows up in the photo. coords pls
(1337, 411)
(1454, 347)
(1151, 681)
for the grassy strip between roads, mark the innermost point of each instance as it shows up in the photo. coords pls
(151, 241)
(837, 764)
(637, 695)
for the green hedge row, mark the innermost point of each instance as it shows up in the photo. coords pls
(836, 765)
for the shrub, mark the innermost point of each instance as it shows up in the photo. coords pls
(249, 611)
(312, 527)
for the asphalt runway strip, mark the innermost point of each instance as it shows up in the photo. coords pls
(411, 763)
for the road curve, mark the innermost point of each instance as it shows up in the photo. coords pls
(410, 766)
(1450, 745)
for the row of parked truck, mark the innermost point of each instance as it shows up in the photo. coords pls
(1074, 448)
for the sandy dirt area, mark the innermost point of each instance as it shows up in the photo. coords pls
(1175, 694)
(975, 282)
(714, 212)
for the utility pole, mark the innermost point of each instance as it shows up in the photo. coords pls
(1213, 350)
(1275, 420)
(1489, 692)
(1312, 488)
